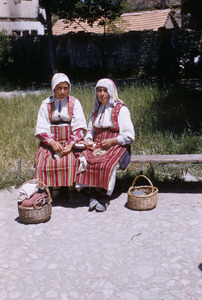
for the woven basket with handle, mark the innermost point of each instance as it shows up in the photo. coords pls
(142, 197)
(39, 214)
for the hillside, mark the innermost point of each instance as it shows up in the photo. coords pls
(138, 5)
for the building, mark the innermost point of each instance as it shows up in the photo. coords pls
(138, 21)
(21, 17)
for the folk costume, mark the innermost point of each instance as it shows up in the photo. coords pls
(64, 121)
(97, 166)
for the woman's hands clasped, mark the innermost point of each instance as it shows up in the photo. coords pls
(66, 150)
(107, 143)
(57, 147)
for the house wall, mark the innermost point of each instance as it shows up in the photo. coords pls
(21, 27)
(169, 23)
(81, 55)
(18, 17)
(23, 9)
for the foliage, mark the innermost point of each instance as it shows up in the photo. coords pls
(54, 19)
(84, 10)
(193, 8)
(102, 10)
(90, 10)
(6, 52)
(116, 26)
(62, 8)
(140, 5)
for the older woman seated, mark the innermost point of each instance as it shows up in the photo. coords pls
(109, 135)
(61, 123)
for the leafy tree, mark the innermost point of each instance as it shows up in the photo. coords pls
(102, 10)
(90, 10)
(62, 8)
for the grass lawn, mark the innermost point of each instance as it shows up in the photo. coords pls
(165, 121)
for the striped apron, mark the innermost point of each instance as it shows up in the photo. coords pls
(99, 168)
(56, 172)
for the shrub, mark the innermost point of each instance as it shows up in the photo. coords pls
(6, 52)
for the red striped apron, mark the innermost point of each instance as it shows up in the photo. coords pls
(56, 172)
(62, 171)
(98, 174)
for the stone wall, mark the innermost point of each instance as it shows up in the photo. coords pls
(121, 55)
(89, 56)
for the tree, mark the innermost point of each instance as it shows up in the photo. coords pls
(191, 14)
(102, 10)
(90, 10)
(60, 8)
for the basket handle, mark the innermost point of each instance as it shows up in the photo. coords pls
(136, 178)
(36, 180)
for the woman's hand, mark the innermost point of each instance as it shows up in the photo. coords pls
(86, 143)
(57, 147)
(66, 150)
(106, 144)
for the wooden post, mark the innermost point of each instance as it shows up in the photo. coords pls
(19, 170)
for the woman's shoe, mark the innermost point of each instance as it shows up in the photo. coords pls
(55, 193)
(93, 203)
(100, 207)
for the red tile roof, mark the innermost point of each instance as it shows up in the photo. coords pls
(144, 20)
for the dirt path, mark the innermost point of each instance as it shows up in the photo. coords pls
(118, 254)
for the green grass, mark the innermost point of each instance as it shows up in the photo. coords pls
(165, 122)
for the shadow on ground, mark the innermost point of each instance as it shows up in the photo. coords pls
(70, 198)
(172, 186)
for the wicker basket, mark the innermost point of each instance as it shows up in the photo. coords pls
(142, 197)
(39, 214)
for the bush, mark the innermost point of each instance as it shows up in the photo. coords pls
(6, 53)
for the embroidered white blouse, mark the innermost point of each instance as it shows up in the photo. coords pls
(103, 120)
(60, 113)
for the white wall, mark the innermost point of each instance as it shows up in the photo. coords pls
(23, 9)
(20, 15)
(21, 26)
(169, 23)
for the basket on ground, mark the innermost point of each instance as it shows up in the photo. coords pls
(39, 214)
(142, 197)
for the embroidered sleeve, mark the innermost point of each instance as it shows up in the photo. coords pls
(90, 131)
(77, 135)
(43, 122)
(126, 129)
(45, 137)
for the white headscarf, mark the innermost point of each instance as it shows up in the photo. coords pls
(111, 89)
(58, 78)
(103, 119)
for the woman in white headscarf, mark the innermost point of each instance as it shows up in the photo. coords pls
(60, 124)
(109, 135)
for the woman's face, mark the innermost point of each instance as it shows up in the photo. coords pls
(102, 95)
(61, 90)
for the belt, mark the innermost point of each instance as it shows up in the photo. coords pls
(59, 122)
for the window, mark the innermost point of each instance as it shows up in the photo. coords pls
(16, 33)
(34, 32)
(25, 33)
